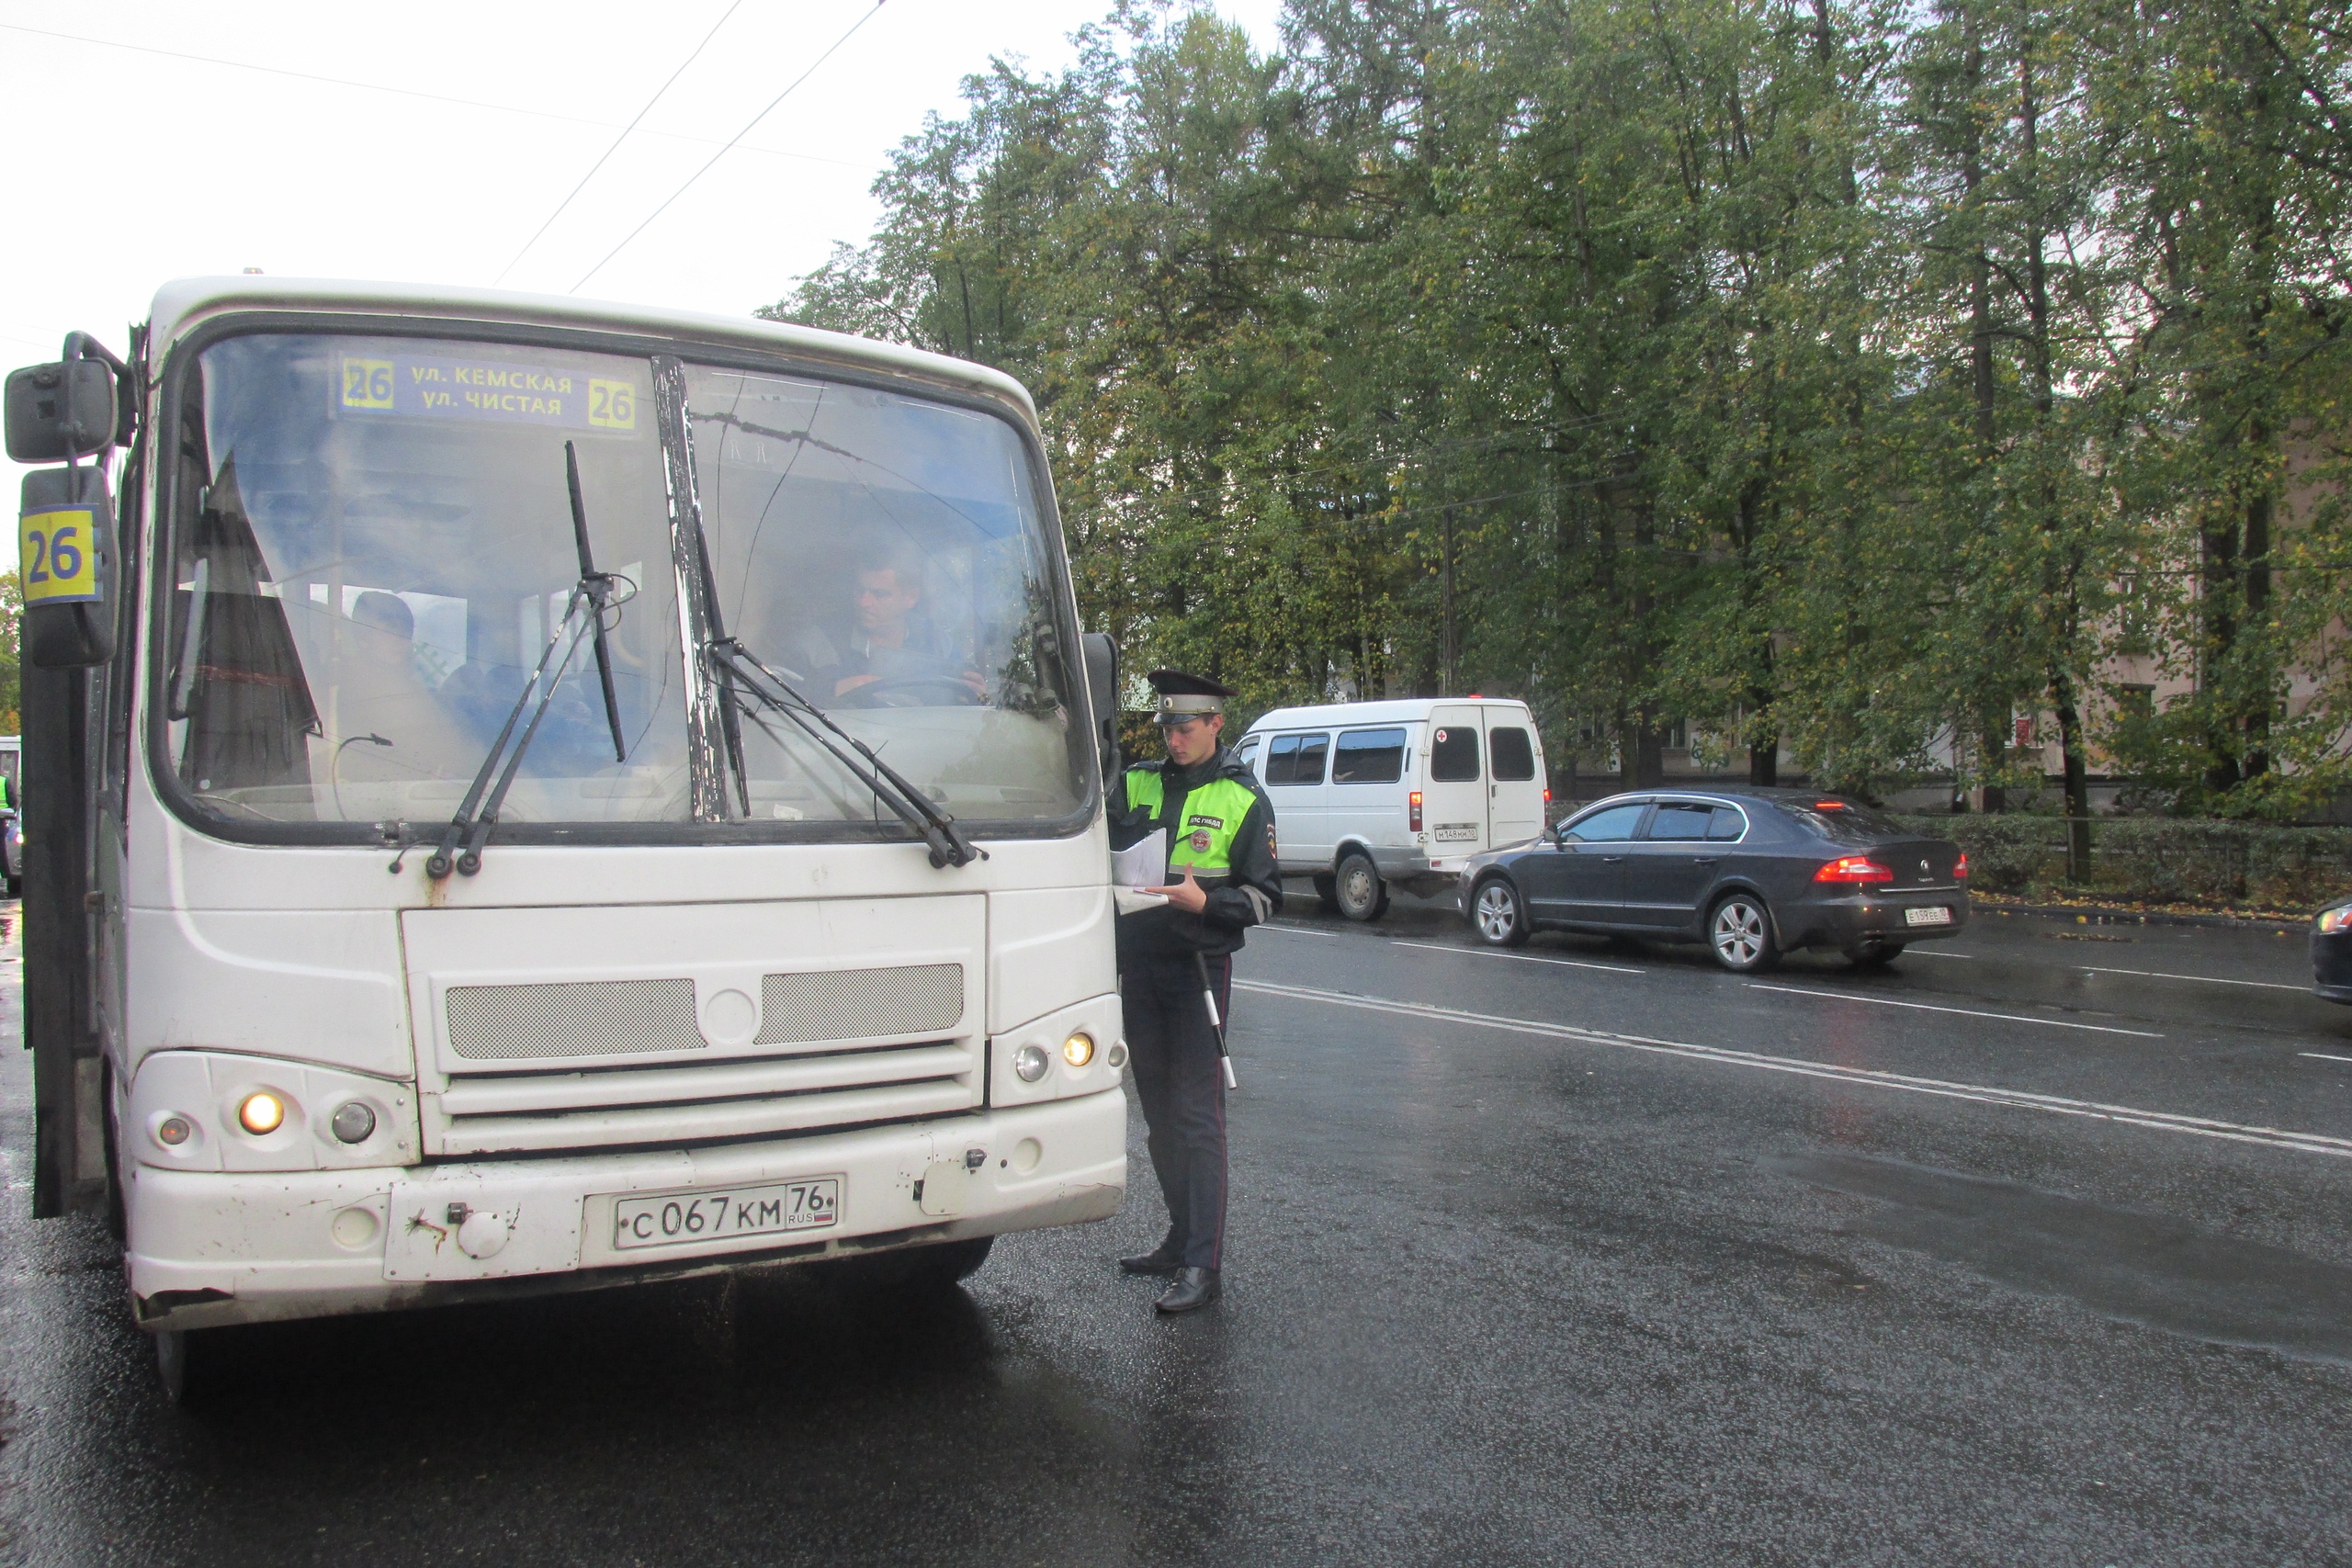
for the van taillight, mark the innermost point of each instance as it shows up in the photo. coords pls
(1853, 868)
(1415, 798)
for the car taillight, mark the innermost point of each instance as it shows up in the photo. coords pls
(1960, 869)
(1853, 868)
(1414, 805)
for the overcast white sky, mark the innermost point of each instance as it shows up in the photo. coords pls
(172, 167)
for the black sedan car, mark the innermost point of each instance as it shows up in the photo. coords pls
(2332, 953)
(1752, 873)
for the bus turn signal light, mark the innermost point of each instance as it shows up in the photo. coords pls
(1853, 868)
(1079, 1049)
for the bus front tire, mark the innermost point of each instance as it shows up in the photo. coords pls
(188, 1361)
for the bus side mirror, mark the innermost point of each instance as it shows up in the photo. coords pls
(59, 413)
(1102, 697)
(65, 561)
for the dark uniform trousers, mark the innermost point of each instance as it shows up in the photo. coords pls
(1182, 1084)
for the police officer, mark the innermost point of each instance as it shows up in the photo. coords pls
(1222, 880)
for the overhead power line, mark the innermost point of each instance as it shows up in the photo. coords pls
(739, 136)
(383, 88)
(616, 147)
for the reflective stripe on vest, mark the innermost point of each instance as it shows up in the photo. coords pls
(1204, 829)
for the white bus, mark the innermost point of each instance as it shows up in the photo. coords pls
(1402, 792)
(529, 795)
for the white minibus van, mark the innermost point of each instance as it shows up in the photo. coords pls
(1371, 795)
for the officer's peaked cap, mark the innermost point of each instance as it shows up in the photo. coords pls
(1184, 696)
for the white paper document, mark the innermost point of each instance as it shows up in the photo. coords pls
(1142, 865)
(1132, 900)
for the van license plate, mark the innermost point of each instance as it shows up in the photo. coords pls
(726, 1215)
(1935, 916)
(1456, 833)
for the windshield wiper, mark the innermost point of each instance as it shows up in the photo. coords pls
(752, 681)
(590, 598)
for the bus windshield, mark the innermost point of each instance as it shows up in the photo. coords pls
(374, 548)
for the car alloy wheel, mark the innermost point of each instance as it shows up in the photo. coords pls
(1496, 915)
(1739, 933)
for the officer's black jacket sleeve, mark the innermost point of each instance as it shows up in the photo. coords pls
(1253, 891)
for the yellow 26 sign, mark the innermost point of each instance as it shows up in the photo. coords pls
(57, 548)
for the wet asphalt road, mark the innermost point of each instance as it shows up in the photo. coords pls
(2035, 1249)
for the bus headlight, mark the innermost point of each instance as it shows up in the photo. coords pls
(352, 1122)
(1029, 1063)
(261, 1113)
(1079, 1049)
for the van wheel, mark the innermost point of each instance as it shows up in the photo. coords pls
(1326, 889)
(1362, 895)
(1497, 914)
(1739, 933)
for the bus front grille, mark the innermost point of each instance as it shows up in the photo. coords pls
(549, 1112)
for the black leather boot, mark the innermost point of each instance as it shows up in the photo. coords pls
(1191, 1289)
(1165, 1258)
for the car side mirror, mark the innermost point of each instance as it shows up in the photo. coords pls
(1102, 697)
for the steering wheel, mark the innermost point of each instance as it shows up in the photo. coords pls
(912, 692)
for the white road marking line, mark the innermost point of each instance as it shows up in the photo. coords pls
(1964, 1012)
(2324, 1055)
(1985, 1094)
(2208, 979)
(1932, 952)
(1300, 930)
(1522, 957)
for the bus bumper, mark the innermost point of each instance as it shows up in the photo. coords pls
(212, 1247)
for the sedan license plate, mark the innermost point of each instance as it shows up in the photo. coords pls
(728, 1215)
(1456, 833)
(1936, 915)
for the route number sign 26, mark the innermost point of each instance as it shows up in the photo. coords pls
(57, 548)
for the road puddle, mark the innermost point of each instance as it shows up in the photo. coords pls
(2138, 1267)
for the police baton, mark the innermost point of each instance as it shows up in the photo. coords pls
(1216, 1023)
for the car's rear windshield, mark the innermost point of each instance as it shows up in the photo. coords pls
(1846, 822)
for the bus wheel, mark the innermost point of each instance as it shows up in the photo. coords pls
(933, 1267)
(1362, 895)
(188, 1361)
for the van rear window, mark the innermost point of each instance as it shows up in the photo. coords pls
(1453, 753)
(1510, 754)
(1369, 756)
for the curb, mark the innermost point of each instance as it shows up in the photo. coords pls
(2109, 915)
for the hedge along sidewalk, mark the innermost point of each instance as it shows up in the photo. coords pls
(2282, 923)
(2234, 867)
